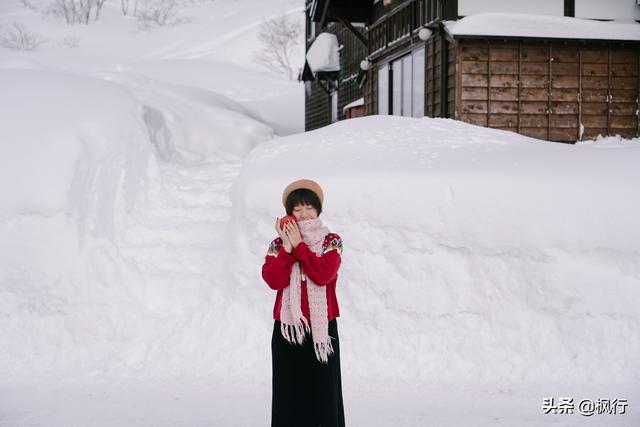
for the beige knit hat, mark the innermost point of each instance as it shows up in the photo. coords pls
(302, 183)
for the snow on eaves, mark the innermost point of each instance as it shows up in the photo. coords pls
(323, 53)
(357, 103)
(542, 26)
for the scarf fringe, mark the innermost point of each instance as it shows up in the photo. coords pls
(323, 350)
(295, 333)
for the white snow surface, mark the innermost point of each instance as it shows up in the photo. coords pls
(323, 53)
(505, 268)
(140, 178)
(481, 253)
(98, 244)
(116, 158)
(209, 46)
(542, 26)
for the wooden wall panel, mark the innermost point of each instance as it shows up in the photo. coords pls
(538, 132)
(452, 86)
(533, 121)
(318, 102)
(555, 90)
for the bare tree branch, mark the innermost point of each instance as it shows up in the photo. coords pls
(278, 36)
(17, 36)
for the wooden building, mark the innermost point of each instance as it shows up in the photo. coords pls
(566, 80)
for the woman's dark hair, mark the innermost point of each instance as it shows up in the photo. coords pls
(302, 196)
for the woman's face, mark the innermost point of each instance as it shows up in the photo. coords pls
(303, 212)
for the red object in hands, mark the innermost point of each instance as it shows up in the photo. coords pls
(286, 219)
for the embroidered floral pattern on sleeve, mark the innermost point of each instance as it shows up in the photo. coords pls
(274, 247)
(332, 242)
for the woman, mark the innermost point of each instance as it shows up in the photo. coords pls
(302, 265)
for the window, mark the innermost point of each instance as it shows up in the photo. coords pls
(309, 27)
(607, 10)
(433, 9)
(396, 88)
(417, 94)
(383, 89)
(406, 85)
(334, 106)
(401, 85)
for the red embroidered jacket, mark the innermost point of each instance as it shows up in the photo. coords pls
(323, 270)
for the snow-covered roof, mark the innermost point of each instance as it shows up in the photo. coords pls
(323, 53)
(542, 26)
(357, 103)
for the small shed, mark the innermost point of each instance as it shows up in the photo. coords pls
(354, 109)
(555, 78)
(559, 70)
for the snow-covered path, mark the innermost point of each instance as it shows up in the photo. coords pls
(177, 234)
(60, 402)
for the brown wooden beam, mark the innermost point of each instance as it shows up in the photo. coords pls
(489, 44)
(580, 93)
(450, 10)
(570, 8)
(323, 15)
(355, 14)
(549, 89)
(519, 85)
(609, 91)
(355, 32)
(444, 77)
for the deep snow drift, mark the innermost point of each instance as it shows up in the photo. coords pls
(119, 146)
(505, 268)
(110, 223)
(140, 180)
(209, 45)
(483, 254)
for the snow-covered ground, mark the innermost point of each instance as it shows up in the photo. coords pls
(140, 176)
(211, 46)
(494, 255)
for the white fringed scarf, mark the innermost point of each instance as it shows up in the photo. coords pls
(293, 323)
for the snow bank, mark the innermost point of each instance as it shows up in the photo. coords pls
(212, 47)
(275, 101)
(109, 227)
(198, 122)
(471, 254)
(64, 138)
(542, 26)
(483, 254)
(75, 159)
(117, 155)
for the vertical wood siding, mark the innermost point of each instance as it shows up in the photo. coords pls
(558, 90)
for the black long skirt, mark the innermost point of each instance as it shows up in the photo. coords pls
(306, 393)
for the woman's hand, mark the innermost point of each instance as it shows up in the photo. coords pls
(293, 232)
(285, 239)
